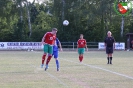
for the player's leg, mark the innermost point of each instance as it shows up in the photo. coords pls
(45, 49)
(111, 55)
(110, 58)
(107, 52)
(81, 57)
(82, 53)
(50, 52)
(56, 59)
(79, 52)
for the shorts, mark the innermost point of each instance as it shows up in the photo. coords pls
(55, 54)
(48, 49)
(81, 50)
(109, 50)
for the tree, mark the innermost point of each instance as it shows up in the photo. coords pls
(8, 18)
(43, 22)
(93, 18)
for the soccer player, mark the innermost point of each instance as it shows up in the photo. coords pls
(81, 45)
(48, 41)
(55, 52)
(109, 43)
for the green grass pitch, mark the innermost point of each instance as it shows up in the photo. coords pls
(21, 69)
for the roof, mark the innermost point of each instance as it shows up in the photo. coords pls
(131, 34)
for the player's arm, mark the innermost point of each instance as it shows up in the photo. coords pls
(59, 43)
(114, 43)
(86, 46)
(105, 43)
(60, 46)
(43, 39)
(77, 47)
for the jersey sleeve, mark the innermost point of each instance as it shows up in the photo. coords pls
(45, 35)
(85, 42)
(113, 39)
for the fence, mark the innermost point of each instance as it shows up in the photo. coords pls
(73, 45)
(65, 45)
(37, 45)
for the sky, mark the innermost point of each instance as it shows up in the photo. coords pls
(36, 1)
(33, 0)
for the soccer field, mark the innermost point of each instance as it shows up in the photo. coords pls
(21, 69)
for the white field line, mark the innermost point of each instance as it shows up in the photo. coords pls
(123, 75)
(96, 67)
(52, 76)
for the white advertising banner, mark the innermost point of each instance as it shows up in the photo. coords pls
(119, 46)
(20, 45)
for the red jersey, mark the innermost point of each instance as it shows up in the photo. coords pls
(81, 43)
(49, 38)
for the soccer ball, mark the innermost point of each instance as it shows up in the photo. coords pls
(65, 22)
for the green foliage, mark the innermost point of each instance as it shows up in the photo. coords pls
(44, 22)
(93, 18)
(8, 18)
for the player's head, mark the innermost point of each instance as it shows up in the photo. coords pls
(109, 33)
(54, 30)
(81, 36)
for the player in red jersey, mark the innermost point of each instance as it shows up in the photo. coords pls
(81, 45)
(48, 42)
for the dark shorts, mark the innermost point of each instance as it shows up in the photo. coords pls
(55, 54)
(109, 50)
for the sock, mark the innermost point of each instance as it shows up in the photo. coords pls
(80, 58)
(108, 59)
(43, 58)
(57, 63)
(48, 59)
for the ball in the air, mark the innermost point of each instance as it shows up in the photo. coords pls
(65, 22)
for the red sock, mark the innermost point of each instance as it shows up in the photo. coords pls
(80, 58)
(43, 58)
(48, 59)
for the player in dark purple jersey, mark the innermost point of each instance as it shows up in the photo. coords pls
(109, 43)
